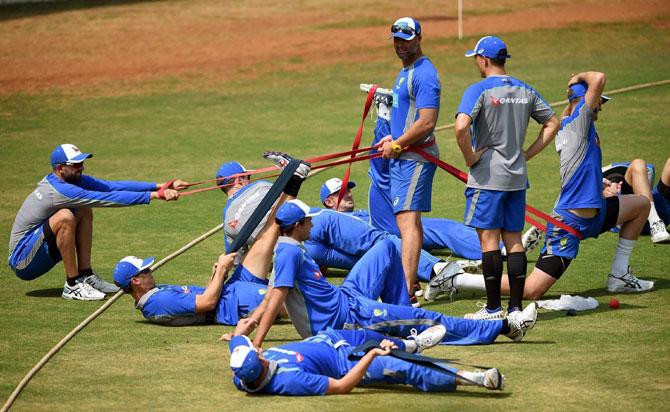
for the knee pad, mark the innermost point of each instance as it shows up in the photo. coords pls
(553, 265)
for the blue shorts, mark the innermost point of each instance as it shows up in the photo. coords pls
(36, 253)
(662, 205)
(495, 209)
(241, 273)
(560, 242)
(411, 185)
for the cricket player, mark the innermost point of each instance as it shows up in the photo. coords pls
(314, 304)
(491, 124)
(638, 177)
(581, 204)
(438, 233)
(222, 301)
(321, 365)
(416, 105)
(55, 222)
(340, 239)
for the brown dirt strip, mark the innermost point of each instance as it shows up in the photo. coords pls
(147, 41)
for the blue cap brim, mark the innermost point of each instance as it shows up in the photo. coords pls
(403, 36)
(146, 263)
(80, 158)
(470, 53)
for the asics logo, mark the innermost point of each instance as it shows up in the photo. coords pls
(395, 201)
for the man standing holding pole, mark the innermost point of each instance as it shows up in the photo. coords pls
(491, 125)
(416, 105)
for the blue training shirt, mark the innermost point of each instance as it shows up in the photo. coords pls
(312, 302)
(416, 87)
(578, 147)
(302, 368)
(175, 305)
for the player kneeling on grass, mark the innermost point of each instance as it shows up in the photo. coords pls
(583, 204)
(55, 222)
(321, 365)
(315, 304)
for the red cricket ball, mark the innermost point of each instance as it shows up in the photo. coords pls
(614, 303)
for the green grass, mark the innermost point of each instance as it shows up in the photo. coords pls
(603, 359)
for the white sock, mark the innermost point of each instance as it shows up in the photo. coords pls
(469, 281)
(653, 215)
(473, 378)
(622, 257)
(410, 345)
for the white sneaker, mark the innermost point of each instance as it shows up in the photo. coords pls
(383, 99)
(99, 284)
(532, 238)
(493, 380)
(628, 283)
(81, 291)
(428, 338)
(484, 314)
(521, 321)
(470, 266)
(282, 159)
(658, 232)
(443, 282)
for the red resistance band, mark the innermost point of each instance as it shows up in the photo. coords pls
(462, 176)
(357, 142)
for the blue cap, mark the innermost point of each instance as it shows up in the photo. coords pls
(128, 268)
(578, 90)
(68, 154)
(489, 46)
(333, 186)
(244, 360)
(406, 28)
(292, 212)
(229, 169)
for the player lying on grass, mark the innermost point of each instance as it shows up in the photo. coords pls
(223, 302)
(320, 365)
(581, 205)
(438, 233)
(55, 222)
(314, 304)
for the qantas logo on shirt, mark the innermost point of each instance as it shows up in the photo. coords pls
(508, 100)
(299, 357)
(317, 275)
(233, 224)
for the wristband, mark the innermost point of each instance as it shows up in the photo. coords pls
(395, 147)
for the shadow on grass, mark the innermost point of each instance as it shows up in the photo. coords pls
(45, 293)
(378, 389)
(23, 10)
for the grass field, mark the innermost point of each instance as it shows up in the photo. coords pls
(186, 125)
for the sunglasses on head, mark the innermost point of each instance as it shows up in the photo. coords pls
(403, 29)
